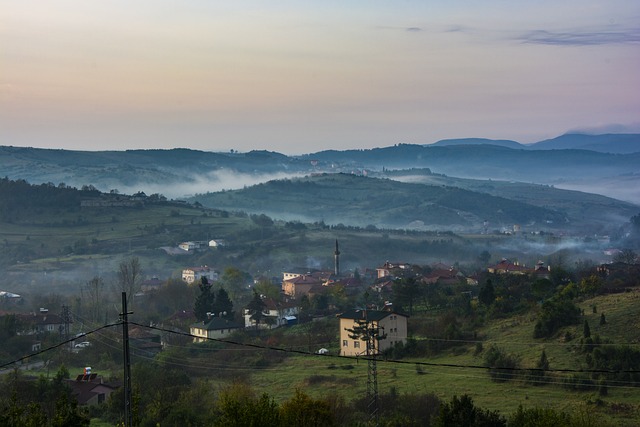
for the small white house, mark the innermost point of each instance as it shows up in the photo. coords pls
(214, 328)
(217, 243)
(187, 246)
(195, 274)
(276, 314)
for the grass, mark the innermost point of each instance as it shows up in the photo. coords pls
(320, 375)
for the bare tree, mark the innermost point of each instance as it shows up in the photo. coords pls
(130, 278)
(93, 296)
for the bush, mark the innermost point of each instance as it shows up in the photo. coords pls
(501, 364)
(462, 412)
(533, 417)
(555, 314)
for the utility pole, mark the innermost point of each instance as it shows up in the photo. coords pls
(128, 414)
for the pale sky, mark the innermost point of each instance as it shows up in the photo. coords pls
(302, 76)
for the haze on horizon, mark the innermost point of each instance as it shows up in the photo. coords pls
(301, 76)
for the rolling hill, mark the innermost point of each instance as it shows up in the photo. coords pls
(439, 205)
(571, 161)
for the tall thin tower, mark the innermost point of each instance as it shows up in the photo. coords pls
(336, 258)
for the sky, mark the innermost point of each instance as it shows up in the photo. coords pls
(303, 76)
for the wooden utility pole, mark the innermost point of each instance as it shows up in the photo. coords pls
(128, 414)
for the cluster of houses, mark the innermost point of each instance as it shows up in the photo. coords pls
(90, 388)
(195, 245)
(304, 283)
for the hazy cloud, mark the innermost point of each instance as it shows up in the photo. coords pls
(215, 181)
(407, 29)
(581, 37)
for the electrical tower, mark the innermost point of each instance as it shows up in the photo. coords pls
(370, 332)
(372, 374)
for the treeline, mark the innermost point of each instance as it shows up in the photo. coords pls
(19, 198)
(168, 397)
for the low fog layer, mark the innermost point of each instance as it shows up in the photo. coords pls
(219, 180)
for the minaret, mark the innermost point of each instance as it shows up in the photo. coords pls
(336, 257)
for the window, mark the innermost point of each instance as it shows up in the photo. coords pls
(345, 343)
(356, 344)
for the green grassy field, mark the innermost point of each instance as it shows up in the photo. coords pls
(321, 375)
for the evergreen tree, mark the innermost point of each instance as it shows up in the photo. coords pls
(543, 363)
(256, 309)
(487, 293)
(223, 306)
(586, 330)
(204, 302)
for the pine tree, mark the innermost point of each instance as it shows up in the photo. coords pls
(223, 306)
(256, 309)
(586, 331)
(487, 293)
(543, 363)
(204, 302)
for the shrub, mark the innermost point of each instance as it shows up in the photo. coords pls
(501, 364)
(555, 314)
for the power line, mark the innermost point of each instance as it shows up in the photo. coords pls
(332, 356)
(403, 362)
(60, 344)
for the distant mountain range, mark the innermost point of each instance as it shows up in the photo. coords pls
(569, 161)
(608, 143)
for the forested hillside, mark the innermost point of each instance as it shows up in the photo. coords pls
(438, 204)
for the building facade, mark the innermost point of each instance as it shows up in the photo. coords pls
(391, 327)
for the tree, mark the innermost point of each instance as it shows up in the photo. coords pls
(542, 288)
(93, 294)
(406, 291)
(130, 278)
(204, 302)
(239, 407)
(487, 293)
(484, 257)
(256, 309)
(586, 330)
(537, 375)
(501, 364)
(222, 306)
(461, 412)
(543, 363)
(302, 410)
(234, 280)
(590, 285)
(626, 256)
(265, 287)
(555, 313)
(603, 320)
